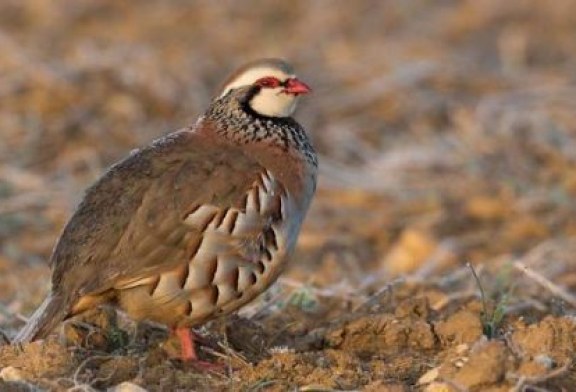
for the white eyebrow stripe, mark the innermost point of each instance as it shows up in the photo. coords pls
(250, 76)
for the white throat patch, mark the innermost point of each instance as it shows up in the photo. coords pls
(271, 102)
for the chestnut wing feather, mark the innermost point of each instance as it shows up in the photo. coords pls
(130, 222)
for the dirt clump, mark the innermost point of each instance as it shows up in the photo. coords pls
(554, 337)
(461, 327)
(381, 334)
(484, 365)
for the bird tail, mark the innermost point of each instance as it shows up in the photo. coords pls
(53, 310)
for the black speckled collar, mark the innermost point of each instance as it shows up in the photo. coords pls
(233, 118)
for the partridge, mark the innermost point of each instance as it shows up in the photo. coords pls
(196, 224)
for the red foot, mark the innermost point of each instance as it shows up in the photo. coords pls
(188, 354)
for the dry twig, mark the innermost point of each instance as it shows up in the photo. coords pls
(546, 283)
(524, 381)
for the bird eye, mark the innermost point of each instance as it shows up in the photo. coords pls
(268, 81)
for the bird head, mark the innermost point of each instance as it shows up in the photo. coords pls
(270, 85)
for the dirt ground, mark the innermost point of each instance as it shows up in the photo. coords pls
(440, 251)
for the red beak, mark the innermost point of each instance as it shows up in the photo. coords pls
(296, 87)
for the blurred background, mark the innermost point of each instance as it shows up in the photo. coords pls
(446, 129)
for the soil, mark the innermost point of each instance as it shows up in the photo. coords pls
(439, 252)
(385, 351)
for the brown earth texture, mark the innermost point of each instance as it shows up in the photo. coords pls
(439, 253)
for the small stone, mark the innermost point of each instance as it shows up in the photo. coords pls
(462, 348)
(439, 387)
(460, 362)
(10, 373)
(127, 387)
(429, 376)
(545, 361)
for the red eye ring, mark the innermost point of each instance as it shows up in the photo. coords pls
(268, 82)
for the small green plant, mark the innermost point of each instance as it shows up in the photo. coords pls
(117, 338)
(304, 298)
(492, 316)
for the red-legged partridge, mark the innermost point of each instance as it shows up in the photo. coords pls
(199, 222)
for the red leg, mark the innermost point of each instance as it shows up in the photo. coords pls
(188, 353)
(186, 337)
